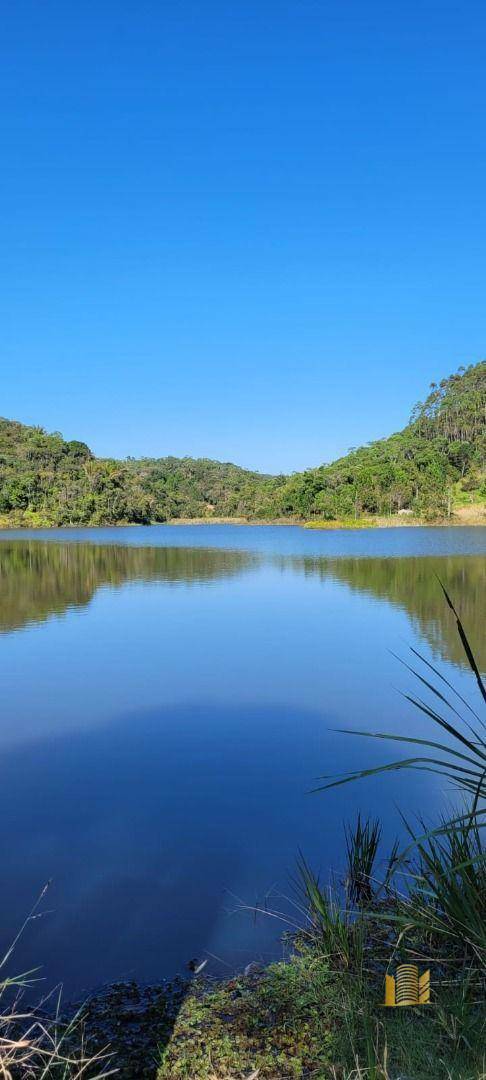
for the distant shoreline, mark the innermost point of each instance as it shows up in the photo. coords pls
(325, 526)
(463, 516)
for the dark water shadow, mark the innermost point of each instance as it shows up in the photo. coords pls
(156, 825)
(156, 829)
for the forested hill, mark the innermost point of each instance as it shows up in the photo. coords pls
(437, 461)
(46, 480)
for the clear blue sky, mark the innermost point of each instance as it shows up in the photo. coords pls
(247, 229)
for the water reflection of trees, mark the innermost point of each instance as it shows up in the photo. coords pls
(411, 584)
(41, 579)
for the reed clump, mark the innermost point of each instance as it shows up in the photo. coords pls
(36, 1041)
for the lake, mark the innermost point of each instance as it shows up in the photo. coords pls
(171, 694)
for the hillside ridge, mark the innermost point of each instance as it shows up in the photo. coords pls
(437, 462)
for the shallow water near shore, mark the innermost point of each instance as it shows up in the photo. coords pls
(170, 695)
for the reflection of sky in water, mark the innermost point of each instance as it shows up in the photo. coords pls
(159, 744)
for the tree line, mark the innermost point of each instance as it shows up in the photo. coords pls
(440, 455)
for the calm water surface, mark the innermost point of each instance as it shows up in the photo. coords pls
(170, 695)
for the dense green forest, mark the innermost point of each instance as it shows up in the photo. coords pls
(437, 461)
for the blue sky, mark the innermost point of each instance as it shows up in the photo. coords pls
(241, 229)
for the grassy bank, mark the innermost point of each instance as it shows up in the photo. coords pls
(320, 1014)
(470, 515)
(282, 1022)
(461, 515)
(304, 1019)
